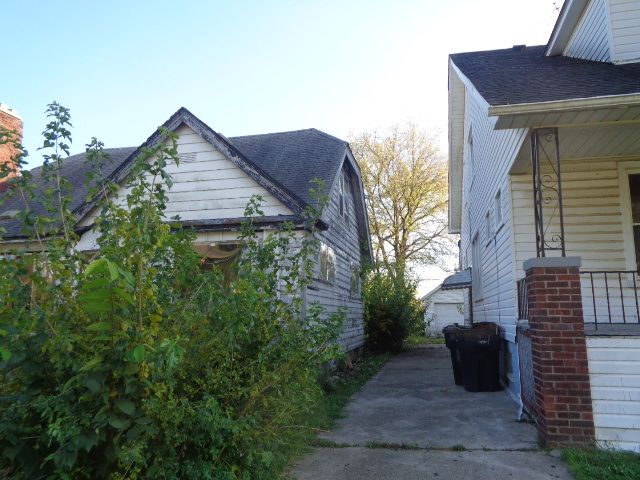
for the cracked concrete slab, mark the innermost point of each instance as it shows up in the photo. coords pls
(413, 403)
(414, 400)
(358, 463)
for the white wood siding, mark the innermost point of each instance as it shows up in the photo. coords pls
(591, 39)
(615, 390)
(593, 191)
(625, 27)
(206, 185)
(494, 152)
(342, 236)
(592, 215)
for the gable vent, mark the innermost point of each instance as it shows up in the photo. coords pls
(188, 157)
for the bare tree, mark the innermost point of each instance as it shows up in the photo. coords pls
(405, 181)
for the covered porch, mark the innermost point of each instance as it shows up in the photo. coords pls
(575, 193)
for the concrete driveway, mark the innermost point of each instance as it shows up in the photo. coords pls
(411, 422)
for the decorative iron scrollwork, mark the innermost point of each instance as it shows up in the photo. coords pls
(547, 191)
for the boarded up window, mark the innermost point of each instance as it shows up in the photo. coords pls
(327, 264)
(355, 280)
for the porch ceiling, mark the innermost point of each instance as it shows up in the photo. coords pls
(602, 140)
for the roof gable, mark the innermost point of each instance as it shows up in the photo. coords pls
(220, 143)
(282, 163)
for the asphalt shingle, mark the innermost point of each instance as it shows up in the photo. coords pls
(526, 75)
(293, 159)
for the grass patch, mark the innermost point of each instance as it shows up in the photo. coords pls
(414, 341)
(338, 385)
(592, 464)
(341, 385)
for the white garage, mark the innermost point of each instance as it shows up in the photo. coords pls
(444, 307)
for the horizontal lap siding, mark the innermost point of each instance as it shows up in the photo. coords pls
(494, 152)
(625, 18)
(343, 238)
(590, 39)
(614, 367)
(592, 215)
(207, 185)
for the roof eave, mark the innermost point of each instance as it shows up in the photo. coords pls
(564, 26)
(456, 140)
(573, 104)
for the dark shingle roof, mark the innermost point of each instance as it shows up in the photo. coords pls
(75, 170)
(295, 158)
(292, 159)
(461, 279)
(512, 76)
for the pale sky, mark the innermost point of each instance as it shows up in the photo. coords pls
(247, 67)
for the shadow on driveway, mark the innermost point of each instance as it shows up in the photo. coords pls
(411, 421)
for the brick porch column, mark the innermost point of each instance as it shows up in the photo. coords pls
(560, 368)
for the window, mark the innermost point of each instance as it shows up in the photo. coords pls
(355, 280)
(487, 226)
(476, 269)
(222, 256)
(498, 209)
(634, 194)
(327, 264)
(472, 160)
(343, 190)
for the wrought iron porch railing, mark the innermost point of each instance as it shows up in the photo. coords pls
(610, 296)
(523, 299)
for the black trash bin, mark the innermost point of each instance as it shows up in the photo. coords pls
(451, 340)
(479, 348)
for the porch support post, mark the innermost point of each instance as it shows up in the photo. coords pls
(547, 191)
(563, 407)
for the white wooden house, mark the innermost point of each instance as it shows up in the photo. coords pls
(212, 185)
(443, 307)
(544, 159)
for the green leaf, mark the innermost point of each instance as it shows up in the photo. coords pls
(143, 420)
(126, 406)
(94, 362)
(96, 327)
(113, 270)
(5, 354)
(93, 384)
(138, 354)
(119, 423)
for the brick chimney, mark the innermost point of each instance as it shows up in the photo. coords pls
(9, 119)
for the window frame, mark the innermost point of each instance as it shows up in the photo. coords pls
(625, 169)
(472, 160)
(354, 273)
(497, 201)
(476, 268)
(487, 227)
(327, 268)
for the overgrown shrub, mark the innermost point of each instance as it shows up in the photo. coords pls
(134, 362)
(391, 310)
